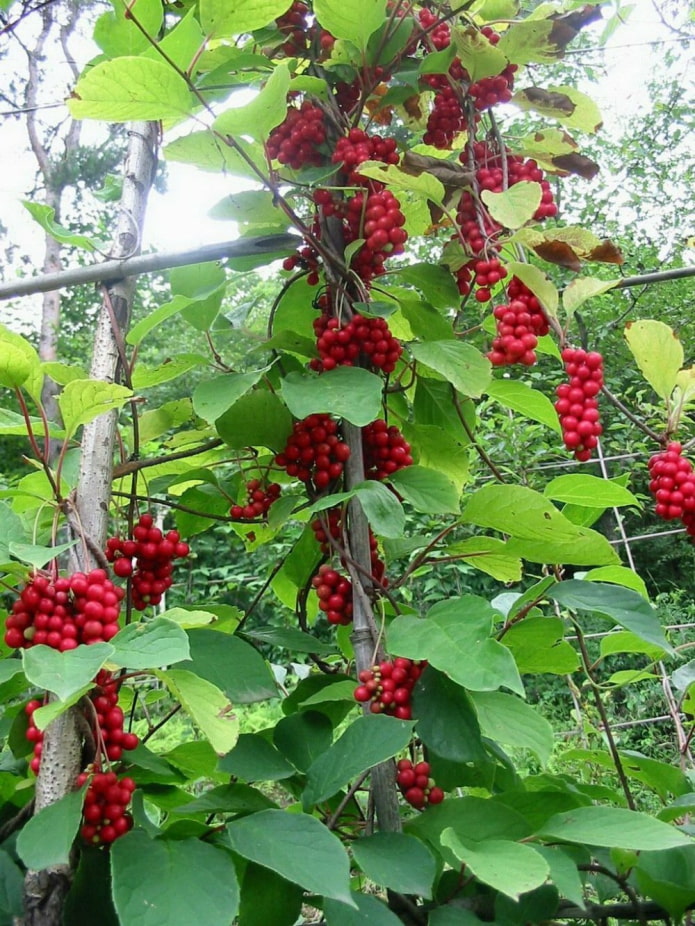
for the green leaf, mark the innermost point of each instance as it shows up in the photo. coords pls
(267, 899)
(255, 759)
(31, 379)
(622, 605)
(11, 887)
(530, 41)
(298, 848)
(619, 575)
(367, 911)
(15, 368)
(346, 392)
(447, 722)
(612, 826)
(303, 737)
(146, 377)
(538, 646)
(46, 839)
(355, 22)
(213, 397)
(477, 53)
(117, 34)
(45, 216)
(155, 318)
(658, 352)
(426, 489)
(396, 861)
(289, 638)
(233, 798)
(522, 398)
(590, 491)
(222, 18)
(149, 645)
(188, 881)
(128, 89)
(382, 509)
(489, 555)
(332, 691)
(257, 419)
(232, 664)
(460, 364)
(206, 705)
(207, 151)
(510, 867)
(512, 722)
(538, 282)
(563, 873)
(91, 890)
(539, 532)
(423, 185)
(485, 818)
(250, 208)
(579, 291)
(567, 105)
(83, 400)
(369, 740)
(263, 113)
(668, 877)
(38, 556)
(622, 641)
(455, 638)
(514, 207)
(434, 282)
(64, 673)
(47, 714)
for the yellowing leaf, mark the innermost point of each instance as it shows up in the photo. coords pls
(580, 290)
(513, 207)
(231, 17)
(567, 105)
(206, 705)
(539, 284)
(658, 352)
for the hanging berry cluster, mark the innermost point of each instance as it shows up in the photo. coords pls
(105, 806)
(415, 784)
(259, 499)
(147, 559)
(673, 486)
(577, 405)
(388, 686)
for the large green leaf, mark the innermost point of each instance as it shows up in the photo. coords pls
(234, 798)
(512, 722)
(509, 867)
(622, 605)
(232, 664)
(82, 400)
(382, 509)
(64, 673)
(346, 392)
(128, 89)
(590, 491)
(47, 838)
(396, 861)
(267, 899)
(257, 419)
(149, 645)
(91, 890)
(145, 377)
(426, 489)
(215, 396)
(489, 554)
(265, 111)
(538, 646)
(455, 637)
(177, 882)
(460, 364)
(224, 18)
(539, 532)
(522, 398)
(206, 705)
(367, 911)
(45, 216)
(469, 816)
(370, 739)
(355, 22)
(255, 759)
(446, 717)
(116, 34)
(668, 877)
(303, 737)
(613, 827)
(658, 352)
(298, 848)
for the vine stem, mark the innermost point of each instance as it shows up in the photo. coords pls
(603, 714)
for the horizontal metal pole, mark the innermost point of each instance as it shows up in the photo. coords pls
(148, 263)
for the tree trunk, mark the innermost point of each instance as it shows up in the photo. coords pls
(45, 891)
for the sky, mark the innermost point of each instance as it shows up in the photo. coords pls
(178, 219)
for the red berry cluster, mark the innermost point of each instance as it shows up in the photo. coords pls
(34, 735)
(153, 553)
(377, 217)
(520, 323)
(577, 405)
(673, 485)
(294, 25)
(389, 685)
(330, 524)
(415, 784)
(260, 498)
(362, 338)
(64, 612)
(109, 717)
(335, 595)
(105, 807)
(385, 450)
(357, 147)
(297, 140)
(438, 33)
(446, 119)
(487, 273)
(314, 451)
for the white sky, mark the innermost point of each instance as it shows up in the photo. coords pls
(178, 219)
